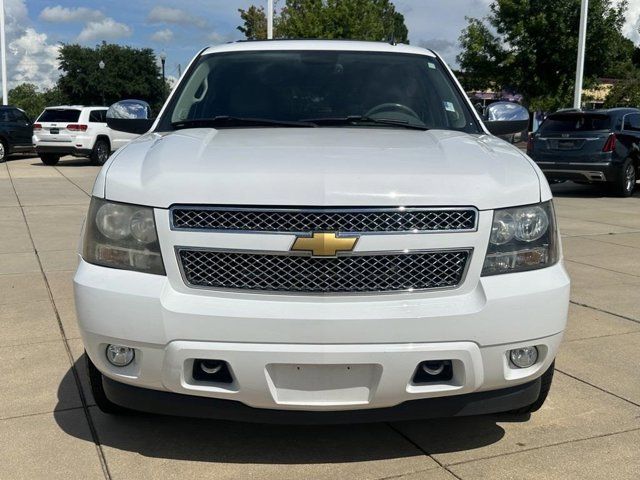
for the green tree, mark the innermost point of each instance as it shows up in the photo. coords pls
(626, 92)
(531, 46)
(27, 97)
(328, 19)
(128, 73)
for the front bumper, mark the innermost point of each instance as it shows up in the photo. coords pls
(168, 403)
(321, 353)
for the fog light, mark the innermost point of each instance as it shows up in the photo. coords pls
(120, 356)
(524, 357)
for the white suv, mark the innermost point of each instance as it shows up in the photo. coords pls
(320, 231)
(76, 130)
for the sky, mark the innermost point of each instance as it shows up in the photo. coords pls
(36, 28)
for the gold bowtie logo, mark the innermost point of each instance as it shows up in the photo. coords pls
(324, 244)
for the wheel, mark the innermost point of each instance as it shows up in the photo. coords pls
(49, 159)
(626, 181)
(4, 151)
(545, 386)
(100, 152)
(97, 389)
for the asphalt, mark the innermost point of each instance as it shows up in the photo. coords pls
(50, 428)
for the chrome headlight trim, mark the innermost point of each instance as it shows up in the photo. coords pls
(122, 236)
(522, 239)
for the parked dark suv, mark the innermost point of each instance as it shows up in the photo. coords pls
(16, 131)
(596, 146)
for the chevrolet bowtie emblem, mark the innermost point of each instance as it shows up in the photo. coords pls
(324, 244)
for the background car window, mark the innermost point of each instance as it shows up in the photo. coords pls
(20, 116)
(298, 85)
(575, 122)
(632, 122)
(5, 116)
(98, 116)
(59, 115)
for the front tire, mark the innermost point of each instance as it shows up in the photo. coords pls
(626, 181)
(545, 386)
(100, 152)
(49, 159)
(97, 389)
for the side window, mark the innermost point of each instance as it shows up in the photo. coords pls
(98, 116)
(20, 116)
(632, 122)
(5, 116)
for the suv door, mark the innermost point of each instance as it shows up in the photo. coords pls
(629, 137)
(23, 128)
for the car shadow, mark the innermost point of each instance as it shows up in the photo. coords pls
(66, 162)
(219, 441)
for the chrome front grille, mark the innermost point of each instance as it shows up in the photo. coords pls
(355, 273)
(344, 220)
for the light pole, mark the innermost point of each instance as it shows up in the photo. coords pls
(582, 40)
(3, 54)
(270, 20)
(101, 65)
(163, 60)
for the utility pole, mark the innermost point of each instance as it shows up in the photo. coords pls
(270, 20)
(582, 40)
(3, 54)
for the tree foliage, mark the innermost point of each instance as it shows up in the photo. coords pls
(626, 92)
(530, 46)
(128, 73)
(27, 97)
(328, 19)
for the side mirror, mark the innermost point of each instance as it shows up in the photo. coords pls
(130, 116)
(506, 118)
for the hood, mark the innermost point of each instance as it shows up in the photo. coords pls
(321, 167)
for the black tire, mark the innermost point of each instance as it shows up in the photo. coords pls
(545, 386)
(4, 151)
(624, 185)
(50, 159)
(101, 151)
(97, 389)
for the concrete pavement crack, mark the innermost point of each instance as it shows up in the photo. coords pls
(76, 376)
(630, 319)
(419, 447)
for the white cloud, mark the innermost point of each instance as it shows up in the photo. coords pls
(632, 23)
(215, 38)
(174, 16)
(162, 36)
(106, 29)
(60, 14)
(30, 56)
(37, 60)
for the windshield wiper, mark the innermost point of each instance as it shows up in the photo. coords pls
(226, 121)
(354, 119)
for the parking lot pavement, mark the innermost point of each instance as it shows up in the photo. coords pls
(50, 428)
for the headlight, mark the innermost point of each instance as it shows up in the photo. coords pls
(522, 238)
(119, 235)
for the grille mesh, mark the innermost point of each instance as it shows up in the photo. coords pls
(344, 220)
(294, 273)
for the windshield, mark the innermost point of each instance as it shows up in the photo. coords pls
(321, 88)
(575, 123)
(59, 115)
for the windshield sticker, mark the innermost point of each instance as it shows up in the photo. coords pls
(432, 66)
(448, 106)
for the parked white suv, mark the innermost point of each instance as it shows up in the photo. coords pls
(320, 231)
(76, 130)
